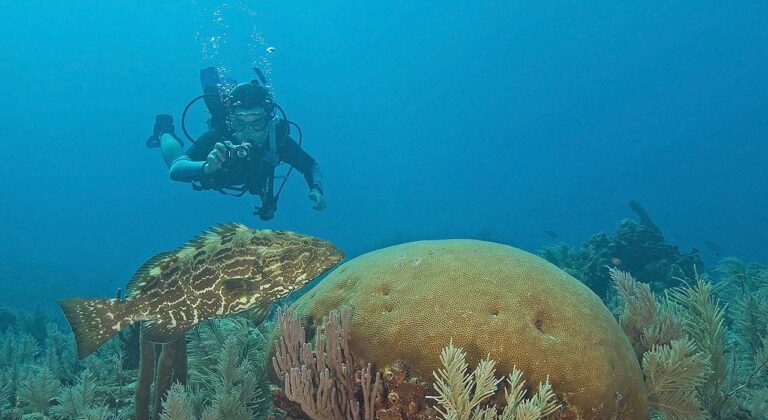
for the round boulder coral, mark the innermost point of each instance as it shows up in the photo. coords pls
(493, 300)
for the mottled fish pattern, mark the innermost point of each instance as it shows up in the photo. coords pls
(227, 269)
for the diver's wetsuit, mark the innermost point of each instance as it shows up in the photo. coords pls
(254, 172)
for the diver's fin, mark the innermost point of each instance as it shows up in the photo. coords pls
(163, 332)
(93, 321)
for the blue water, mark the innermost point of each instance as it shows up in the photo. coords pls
(498, 120)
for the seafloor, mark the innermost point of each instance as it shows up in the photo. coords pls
(451, 329)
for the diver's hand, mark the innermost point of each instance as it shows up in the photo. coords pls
(317, 198)
(215, 159)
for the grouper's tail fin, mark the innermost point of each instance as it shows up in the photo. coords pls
(94, 321)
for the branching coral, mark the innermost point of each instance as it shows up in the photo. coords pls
(639, 248)
(60, 356)
(704, 322)
(673, 374)
(463, 395)
(38, 390)
(176, 405)
(5, 394)
(746, 288)
(76, 400)
(323, 381)
(227, 373)
(235, 386)
(741, 277)
(674, 370)
(647, 320)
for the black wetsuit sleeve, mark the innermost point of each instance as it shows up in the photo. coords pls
(189, 166)
(202, 147)
(291, 153)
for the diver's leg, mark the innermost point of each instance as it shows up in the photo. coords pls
(170, 149)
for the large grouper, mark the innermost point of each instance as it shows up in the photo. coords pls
(227, 269)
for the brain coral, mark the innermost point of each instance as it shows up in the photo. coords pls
(409, 300)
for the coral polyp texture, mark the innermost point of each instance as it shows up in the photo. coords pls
(492, 300)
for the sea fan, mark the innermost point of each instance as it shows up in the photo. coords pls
(750, 319)
(673, 373)
(638, 306)
(5, 393)
(646, 320)
(459, 392)
(704, 322)
(176, 405)
(37, 391)
(77, 399)
(227, 370)
(461, 395)
(742, 276)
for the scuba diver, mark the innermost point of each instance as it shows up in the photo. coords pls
(245, 142)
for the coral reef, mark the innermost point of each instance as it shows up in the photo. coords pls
(227, 372)
(674, 375)
(411, 299)
(697, 363)
(637, 247)
(674, 369)
(646, 320)
(463, 395)
(677, 343)
(44, 379)
(325, 382)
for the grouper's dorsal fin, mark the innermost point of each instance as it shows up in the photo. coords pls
(141, 279)
(220, 234)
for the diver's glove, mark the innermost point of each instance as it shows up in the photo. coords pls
(163, 125)
(215, 159)
(316, 195)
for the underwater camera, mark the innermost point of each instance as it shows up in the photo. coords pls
(240, 151)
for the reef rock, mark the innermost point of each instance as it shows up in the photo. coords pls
(493, 300)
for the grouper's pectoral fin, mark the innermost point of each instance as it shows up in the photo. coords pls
(238, 287)
(162, 332)
(258, 314)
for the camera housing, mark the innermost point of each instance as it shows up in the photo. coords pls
(240, 151)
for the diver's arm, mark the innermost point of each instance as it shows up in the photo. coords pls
(292, 154)
(170, 148)
(185, 169)
(203, 157)
(314, 177)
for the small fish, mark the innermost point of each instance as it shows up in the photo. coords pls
(226, 270)
(717, 249)
(270, 50)
(552, 234)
